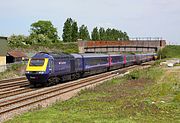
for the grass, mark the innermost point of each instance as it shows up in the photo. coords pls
(170, 51)
(151, 95)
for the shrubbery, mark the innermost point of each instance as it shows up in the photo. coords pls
(170, 51)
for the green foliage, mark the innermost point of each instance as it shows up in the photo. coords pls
(70, 31)
(39, 39)
(133, 75)
(95, 34)
(16, 66)
(84, 33)
(18, 41)
(102, 34)
(44, 30)
(108, 34)
(170, 51)
(74, 32)
(70, 47)
(65, 47)
(124, 36)
(177, 97)
(149, 74)
(67, 30)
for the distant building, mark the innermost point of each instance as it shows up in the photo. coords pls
(3, 52)
(16, 56)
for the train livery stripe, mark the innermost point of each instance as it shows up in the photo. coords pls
(37, 68)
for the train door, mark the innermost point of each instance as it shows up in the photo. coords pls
(51, 65)
(72, 62)
(125, 60)
(110, 60)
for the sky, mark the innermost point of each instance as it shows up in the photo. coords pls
(139, 18)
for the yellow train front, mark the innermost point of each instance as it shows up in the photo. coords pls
(38, 69)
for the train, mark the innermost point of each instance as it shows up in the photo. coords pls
(49, 68)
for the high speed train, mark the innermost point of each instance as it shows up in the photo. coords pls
(52, 68)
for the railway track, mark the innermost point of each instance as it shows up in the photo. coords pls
(13, 83)
(25, 100)
(12, 80)
(17, 91)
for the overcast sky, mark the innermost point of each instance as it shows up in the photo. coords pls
(139, 18)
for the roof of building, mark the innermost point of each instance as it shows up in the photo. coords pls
(2, 37)
(3, 46)
(16, 54)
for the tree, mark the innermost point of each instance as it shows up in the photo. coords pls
(162, 53)
(126, 37)
(18, 40)
(114, 35)
(102, 34)
(40, 39)
(44, 28)
(84, 33)
(95, 34)
(108, 34)
(74, 33)
(67, 30)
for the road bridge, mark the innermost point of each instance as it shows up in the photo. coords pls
(132, 45)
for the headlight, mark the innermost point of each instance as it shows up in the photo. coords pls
(41, 72)
(27, 72)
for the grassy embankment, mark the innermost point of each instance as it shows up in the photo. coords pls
(151, 95)
(58, 47)
(171, 51)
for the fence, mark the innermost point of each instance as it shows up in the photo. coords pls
(146, 39)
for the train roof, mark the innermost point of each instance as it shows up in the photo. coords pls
(76, 55)
(53, 54)
(116, 54)
(60, 55)
(41, 55)
(89, 55)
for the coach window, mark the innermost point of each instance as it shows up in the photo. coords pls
(121, 59)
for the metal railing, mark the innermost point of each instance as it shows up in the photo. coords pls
(146, 39)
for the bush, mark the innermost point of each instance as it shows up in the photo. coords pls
(170, 51)
(133, 75)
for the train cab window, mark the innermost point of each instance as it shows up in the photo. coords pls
(36, 62)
